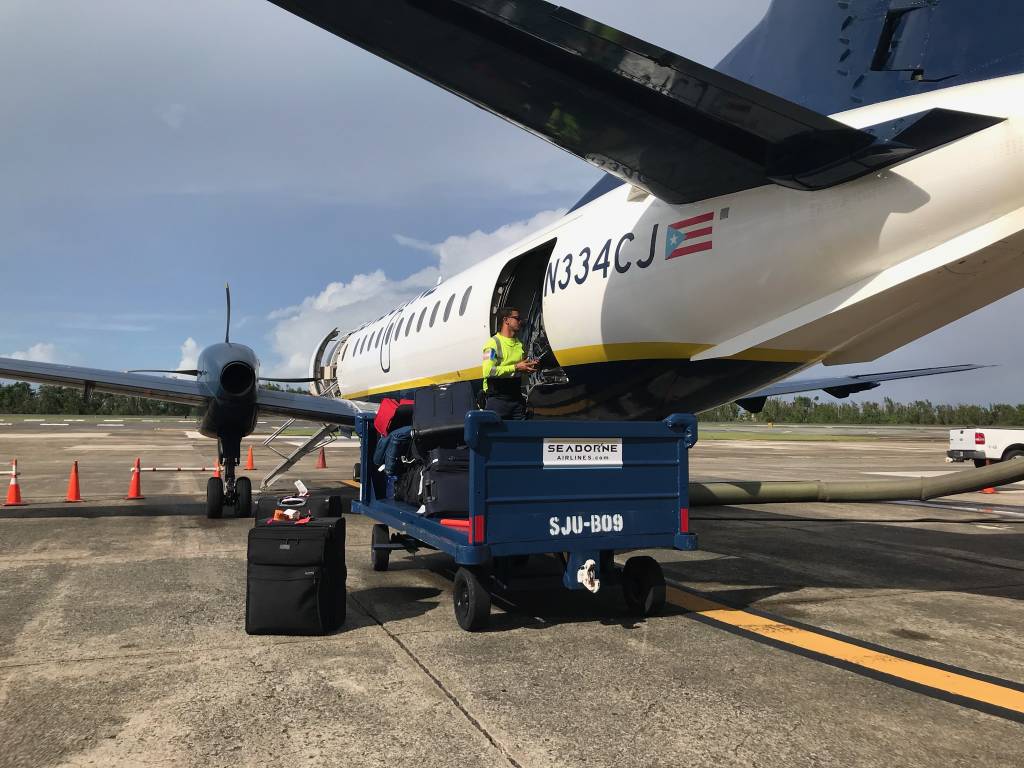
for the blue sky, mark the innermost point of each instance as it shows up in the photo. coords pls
(151, 152)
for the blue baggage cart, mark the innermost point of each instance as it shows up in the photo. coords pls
(580, 490)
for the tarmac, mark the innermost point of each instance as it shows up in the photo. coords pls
(804, 635)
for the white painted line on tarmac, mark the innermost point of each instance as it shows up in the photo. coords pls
(6, 424)
(24, 420)
(56, 424)
(193, 435)
(76, 421)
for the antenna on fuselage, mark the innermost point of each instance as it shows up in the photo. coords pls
(227, 328)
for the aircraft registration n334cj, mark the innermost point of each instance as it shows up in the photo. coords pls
(740, 233)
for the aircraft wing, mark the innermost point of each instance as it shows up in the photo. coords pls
(665, 124)
(842, 386)
(310, 407)
(183, 391)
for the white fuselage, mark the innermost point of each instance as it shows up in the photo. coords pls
(767, 275)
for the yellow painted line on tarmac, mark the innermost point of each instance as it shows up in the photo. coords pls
(962, 687)
(352, 484)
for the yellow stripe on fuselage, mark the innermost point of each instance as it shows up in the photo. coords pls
(606, 353)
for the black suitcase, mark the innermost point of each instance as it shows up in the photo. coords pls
(439, 415)
(445, 492)
(295, 580)
(448, 460)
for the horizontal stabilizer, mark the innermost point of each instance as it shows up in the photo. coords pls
(843, 386)
(665, 124)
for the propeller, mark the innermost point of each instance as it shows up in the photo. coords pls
(227, 328)
(163, 370)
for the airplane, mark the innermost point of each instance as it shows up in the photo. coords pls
(737, 237)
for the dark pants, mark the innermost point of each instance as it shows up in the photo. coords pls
(506, 407)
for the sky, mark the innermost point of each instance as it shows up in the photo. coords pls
(151, 152)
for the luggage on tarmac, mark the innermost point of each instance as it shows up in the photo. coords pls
(295, 579)
(317, 504)
(445, 491)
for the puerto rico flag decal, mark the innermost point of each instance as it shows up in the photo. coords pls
(689, 236)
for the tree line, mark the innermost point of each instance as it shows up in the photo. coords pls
(68, 401)
(808, 410)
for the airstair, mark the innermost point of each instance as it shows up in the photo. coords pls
(325, 384)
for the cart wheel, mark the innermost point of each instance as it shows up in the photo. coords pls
(379, 558)
(472, 602)
(643, 585)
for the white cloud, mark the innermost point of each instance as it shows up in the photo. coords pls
(340, 305)
(189, 355)
(460, 252)
(345, 306)
(41, 352)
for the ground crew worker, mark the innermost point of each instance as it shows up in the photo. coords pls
(503, 366)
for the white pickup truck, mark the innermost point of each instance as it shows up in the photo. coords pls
(985, 444)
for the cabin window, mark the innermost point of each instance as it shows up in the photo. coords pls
(359, 345)
(420, 323)
(387, 336)
(465, 301)
(398, 328)
(376, 338)
(344, 351)
(448, 307)
(433, 314)
(408, 326)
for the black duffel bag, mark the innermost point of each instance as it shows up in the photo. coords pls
(295, 580)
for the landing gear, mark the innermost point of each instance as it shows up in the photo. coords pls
(214, 498)
(243, 497)
(229, 492)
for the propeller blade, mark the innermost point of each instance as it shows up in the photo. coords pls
(163, 370)
(227, 328)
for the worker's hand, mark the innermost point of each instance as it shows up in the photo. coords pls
(526, 366)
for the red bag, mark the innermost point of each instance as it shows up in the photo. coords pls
(386, 412)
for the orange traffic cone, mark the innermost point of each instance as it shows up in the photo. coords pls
(249, 463)
(989, 489)
(14, 490)
(73, 492)
(216, 469)
(135, 489)
(321, 460)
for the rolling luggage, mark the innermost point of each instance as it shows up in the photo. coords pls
(295, 580)
(318, 504)
(448, 460)
(445, 491)
(409, 486)
(439, 415)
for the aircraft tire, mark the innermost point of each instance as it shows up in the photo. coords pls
(471, 601)
(380, 558)
(643, 585)
(243, 497)
(214, 498)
